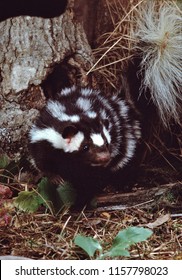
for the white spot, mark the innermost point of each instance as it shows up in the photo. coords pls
(67, 91)
(97, 139)
(56, 139)
(114, 98)
(33, 163)
(91, 114)
(84, 104)
(57, 111)
(103, 114)
(107, 135)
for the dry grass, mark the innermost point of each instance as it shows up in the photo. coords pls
(43, 236)
(114, 48)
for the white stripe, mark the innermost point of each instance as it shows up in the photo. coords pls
(97, 139)
(137, 129)
(130, 151)
(65, 118)
(67, 91)
(48, 134)
(87, 91)
(57, 110)
(107, 135)
(123, 108)
(112, 113)
(55, 107)
(56, 139)
(103, 114)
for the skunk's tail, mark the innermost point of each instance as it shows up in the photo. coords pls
(158, 36)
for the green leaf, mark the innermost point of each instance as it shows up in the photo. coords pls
(45, 189)
(48, 195)
(88, 244)
(4, 161)
(115, 252)
(67, 194)
(27, 201)
(125, 239)
(56, 196)
(132, 235)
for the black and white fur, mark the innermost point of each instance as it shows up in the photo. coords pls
(86, 138)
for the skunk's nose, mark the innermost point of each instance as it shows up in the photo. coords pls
(102, 159)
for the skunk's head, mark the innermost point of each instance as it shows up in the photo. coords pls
(91, 148)
(85, 141)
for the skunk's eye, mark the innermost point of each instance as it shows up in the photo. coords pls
(86, 148)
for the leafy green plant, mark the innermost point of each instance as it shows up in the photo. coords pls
(50, 195)
(4, 161)
(88, 244)
(8, 169)
(28, 201)
(120, 245)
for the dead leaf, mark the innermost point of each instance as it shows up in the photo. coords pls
(106, 215)
(5, 192)
(5, 218)
(160, 221)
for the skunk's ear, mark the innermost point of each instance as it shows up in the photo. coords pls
(69, 131)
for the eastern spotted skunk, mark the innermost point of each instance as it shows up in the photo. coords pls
(86, 138)
(90, 139)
